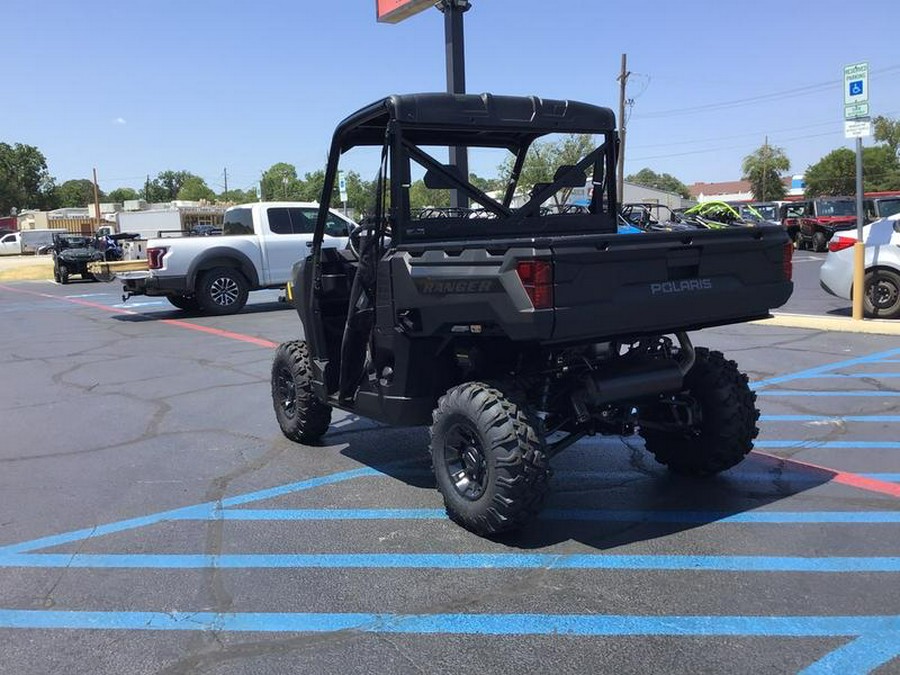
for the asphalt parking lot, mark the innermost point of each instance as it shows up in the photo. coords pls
(155, 520)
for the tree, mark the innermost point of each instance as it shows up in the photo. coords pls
(887, 131)
(25, 182)
(239, 196)
(835, 173)
(195, 189)
(763, 168)
(421, 196)
(659, 181)
(171, 182)
(279, 182)
(77, 193)
(120, 195)
(544, 158)
(485, 184)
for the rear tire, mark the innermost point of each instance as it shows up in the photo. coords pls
(302, 417)
(222, 290)
(489, 458)
(882, 297)
(819, 242)
(722, 435)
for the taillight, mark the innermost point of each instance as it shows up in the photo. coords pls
(155, 257)
(840, 243)
(537, 278)
(788, 262)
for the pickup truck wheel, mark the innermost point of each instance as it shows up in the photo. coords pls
(882, 297)
(302, 417)
(819, 242)
(722, 431)
(489, 458)
(222, 290)
(187, 303)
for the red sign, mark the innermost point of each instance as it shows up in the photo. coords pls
(394, 11)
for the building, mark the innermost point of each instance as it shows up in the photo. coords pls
(739, 190)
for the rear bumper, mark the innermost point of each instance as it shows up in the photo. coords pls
(141, 283)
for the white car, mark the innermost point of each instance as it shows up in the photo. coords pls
(882, 295)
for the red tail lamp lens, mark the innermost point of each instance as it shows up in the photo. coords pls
(788, 263)
(840, 243)
(155, 257)
(537, 278)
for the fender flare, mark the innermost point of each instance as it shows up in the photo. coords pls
(222, 256)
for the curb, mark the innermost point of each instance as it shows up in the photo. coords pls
(836, 324)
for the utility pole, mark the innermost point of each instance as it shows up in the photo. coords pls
(454, 44)
(226, 182)
(765, 194)
(620, 163)
(96, 204)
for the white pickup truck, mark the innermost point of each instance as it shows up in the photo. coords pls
(213, 275)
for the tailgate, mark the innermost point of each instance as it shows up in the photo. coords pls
(658, 283)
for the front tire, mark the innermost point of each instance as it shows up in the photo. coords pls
(63, 274)
(489, 458)
(882, 297)
(722, 433)
(819, 242)
(222, 290)
(302, 417)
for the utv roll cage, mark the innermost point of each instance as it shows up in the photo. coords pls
(402, 125)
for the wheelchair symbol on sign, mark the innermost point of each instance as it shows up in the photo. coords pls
(856, 88)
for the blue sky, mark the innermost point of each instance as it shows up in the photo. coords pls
(134, 88)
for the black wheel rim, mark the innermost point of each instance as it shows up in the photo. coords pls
(286, 391)
(883, 293)
(465, 462)
(224, 291)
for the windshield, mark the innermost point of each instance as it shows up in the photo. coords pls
(833, 207)
(767, 211)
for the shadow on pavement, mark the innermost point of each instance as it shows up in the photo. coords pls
(593, 479)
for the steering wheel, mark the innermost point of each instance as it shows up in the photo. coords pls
(354, 238)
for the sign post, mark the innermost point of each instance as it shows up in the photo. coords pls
(857, 125)
(394, 11)
(342, 188)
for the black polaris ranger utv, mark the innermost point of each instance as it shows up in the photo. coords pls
(513, 331)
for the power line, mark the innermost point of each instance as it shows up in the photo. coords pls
(762, 98)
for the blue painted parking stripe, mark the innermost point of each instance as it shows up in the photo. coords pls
(871, 358)
(832, 445)
(802, 392)
(887, 477)
(849, 376)
(188, 511)
(462, 624)
(472, 561)
(835, 419)
(595, 515)
(862, 655)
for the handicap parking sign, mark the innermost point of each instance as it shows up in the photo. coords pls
(856, 88)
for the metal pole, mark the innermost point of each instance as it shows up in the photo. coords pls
(96, 203)
(454, 43)
(859, 248)
(620, 161)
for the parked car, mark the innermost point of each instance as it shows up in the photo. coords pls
(882, 277)
(813, 222)
(26, 241)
